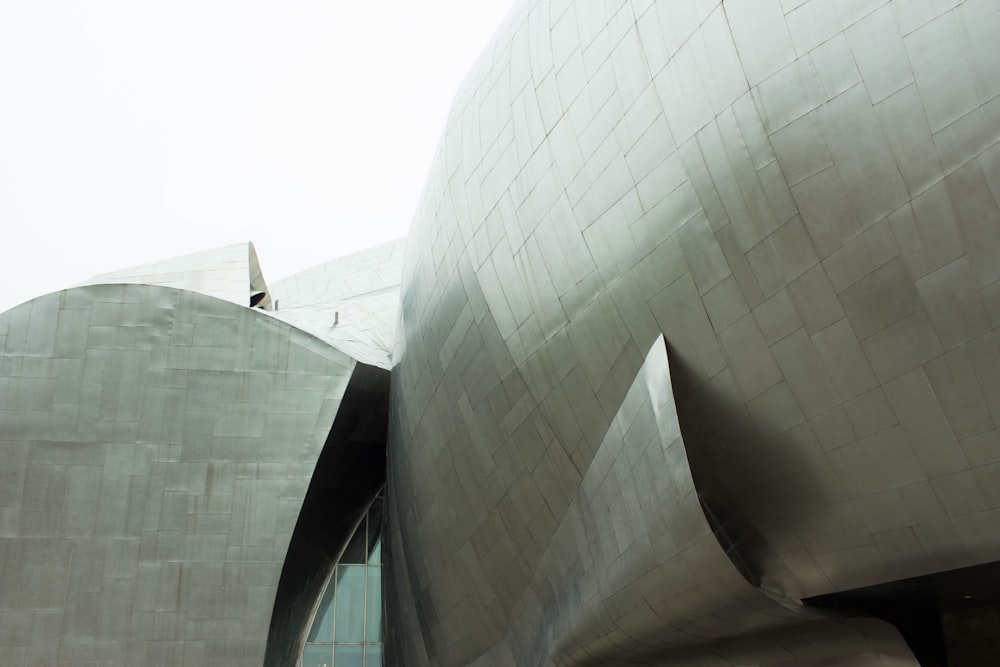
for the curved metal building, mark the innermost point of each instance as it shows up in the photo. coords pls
(180, 471)
(696, 364)
(800, 200)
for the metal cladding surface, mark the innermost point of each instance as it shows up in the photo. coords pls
(231, 273)
(361, 289)
(160, 459)
(801, 198)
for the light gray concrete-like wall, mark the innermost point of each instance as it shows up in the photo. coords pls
(801, 197)
(155, 448)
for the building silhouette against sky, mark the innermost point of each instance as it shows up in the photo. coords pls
(690, 359)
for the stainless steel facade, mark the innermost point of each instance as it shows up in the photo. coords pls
(801, 198)
(697, 365)
(164, 462)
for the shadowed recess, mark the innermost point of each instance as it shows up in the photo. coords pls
(947, 618)
(349, 473)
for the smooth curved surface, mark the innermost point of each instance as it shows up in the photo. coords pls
(155, 449)
(351, 302)
(231, 273)
(801, 198)
(635, 571)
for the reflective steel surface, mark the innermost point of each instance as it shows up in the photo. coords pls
(231, 273)
(696, 364)
(166, 458)
(801, 198)
(351, 302)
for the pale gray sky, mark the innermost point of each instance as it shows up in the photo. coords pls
(135, 131)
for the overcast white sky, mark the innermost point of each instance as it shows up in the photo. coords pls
(136, 131)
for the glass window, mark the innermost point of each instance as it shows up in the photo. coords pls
(317, 655)
(349, 655)
(375, 555)
(322, 627)
(350, 618)
(373, 610)
(347, 628)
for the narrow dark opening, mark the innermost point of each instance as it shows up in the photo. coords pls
(950, 618)
(349, 473)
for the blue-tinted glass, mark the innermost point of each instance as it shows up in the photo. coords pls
(375, 553)
(322, 627)
(348, 655)
(373, 611)
(350, 604)
(350, 611)
(317, 655)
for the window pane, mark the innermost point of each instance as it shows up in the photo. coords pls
(317, 656)
(350, 604)
(322, 627)
(373, 655)
(373, 613)
(348, 655)
(375, 553)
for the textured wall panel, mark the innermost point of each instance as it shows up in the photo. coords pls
(351, 302)
(155, 448)
(801, 198)
(231, 273)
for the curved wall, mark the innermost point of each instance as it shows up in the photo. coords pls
(801, 197)
(155, 449)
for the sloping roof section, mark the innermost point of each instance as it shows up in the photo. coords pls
(352, 302)
(231, 273)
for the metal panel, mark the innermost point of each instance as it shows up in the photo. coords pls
(147, 513)
(806, 211)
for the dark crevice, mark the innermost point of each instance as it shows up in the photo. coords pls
(256, 298)
(949, 618)
(349, 473)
